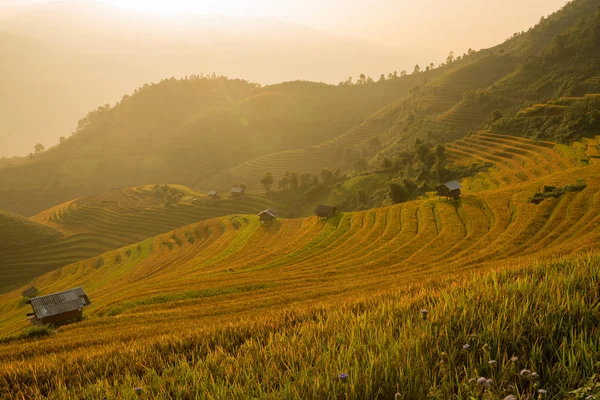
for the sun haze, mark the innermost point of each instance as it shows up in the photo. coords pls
(269, 199)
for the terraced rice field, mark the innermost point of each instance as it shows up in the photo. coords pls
(311, 159)
(95, 224)
(515, 160)
(205, 289)
(230, 267)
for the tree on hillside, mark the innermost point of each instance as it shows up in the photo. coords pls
(398, 193)
(432, 66)
(294, 181)
(403, 72)
(361, 165)
(362, 79)
(440, 150)
(62, 139)
(496, 115)
(284, 182)
(39, 148)
(450, 58)
(417, 69)
(327, 176)
(347, 82)
(386, 163)
(382, 78)
(267, 180)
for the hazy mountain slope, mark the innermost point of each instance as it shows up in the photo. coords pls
(79, 65)
(460, 97)
(181, 131)
(531, 67)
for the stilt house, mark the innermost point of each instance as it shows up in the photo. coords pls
(238, 192)
(213, 195)
(449, 190)
(58, 308)
(268, 216)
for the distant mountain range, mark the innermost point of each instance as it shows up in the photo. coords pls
(62, 59)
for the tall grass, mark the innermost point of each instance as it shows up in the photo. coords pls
(541, 317)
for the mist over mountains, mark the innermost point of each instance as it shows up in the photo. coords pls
(63, 59)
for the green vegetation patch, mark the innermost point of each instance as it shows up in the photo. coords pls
(553, 191)
(29, 333)
(189, 295)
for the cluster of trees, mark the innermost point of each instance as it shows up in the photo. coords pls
(581, 118)
(408, 175)
(305, 182)
(417, 170)
(364, 79)
(300, 190)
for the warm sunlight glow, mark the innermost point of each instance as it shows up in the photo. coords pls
(180, 8)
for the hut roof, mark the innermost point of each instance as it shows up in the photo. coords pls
(453, 185)
(237, 190)
(58, 303)
(213, 193)
(269, 212)
(323, 209)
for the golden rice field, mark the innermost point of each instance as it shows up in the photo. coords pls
(526, 332)
(199, 309)
(514, 160)
(95, 224)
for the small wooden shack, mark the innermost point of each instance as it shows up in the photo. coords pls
(268, 216)
(238, 192)
(30, 292)
(449, 190)
(58, 308)
(213, 195)
(325, 212)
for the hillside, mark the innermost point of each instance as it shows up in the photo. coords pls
(212, 131)
(16, 230)
(156, 294)
(402, 294)
(236, 254)
(182, 131)
(86, 65)
(468, 93)
(95, 224)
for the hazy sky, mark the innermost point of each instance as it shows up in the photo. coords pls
(439, 25)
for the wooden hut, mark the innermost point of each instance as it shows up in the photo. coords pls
(325, 212)
(268, 216)
(58, 308)
(449, 190)
(30, 292)
(238, 192)
(213, 195)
